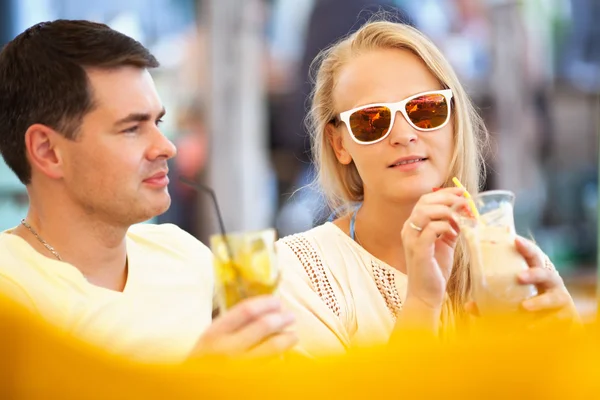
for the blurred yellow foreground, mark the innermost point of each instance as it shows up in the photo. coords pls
(38, 362)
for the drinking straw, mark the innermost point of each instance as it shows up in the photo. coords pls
(467, 195)
(213, 196)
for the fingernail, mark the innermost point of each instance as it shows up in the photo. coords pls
(275, 302)
(524, 275)
(528, 305)
(288, 317)
(465, 209)
(435, 189)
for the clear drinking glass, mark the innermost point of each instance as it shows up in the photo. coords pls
(245, 266)
(495, 261)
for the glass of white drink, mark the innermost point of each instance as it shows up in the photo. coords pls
(495, 261)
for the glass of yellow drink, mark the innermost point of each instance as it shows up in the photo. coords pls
(245, 266)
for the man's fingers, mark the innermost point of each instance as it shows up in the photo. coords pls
(274, 345)
(220, 340)
(245, 312)
(263, 328)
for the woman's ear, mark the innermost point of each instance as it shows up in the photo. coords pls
(336, 139)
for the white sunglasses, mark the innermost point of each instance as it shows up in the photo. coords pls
(425, 112)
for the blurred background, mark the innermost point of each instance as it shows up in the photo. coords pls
(234, 80)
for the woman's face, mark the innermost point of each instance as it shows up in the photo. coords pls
(389, 76)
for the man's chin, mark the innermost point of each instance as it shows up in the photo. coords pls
(162, 208)
(151, 211)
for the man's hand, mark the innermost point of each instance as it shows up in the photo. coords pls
(253, 328)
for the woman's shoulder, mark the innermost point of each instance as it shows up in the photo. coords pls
(318, 259)
(325, 230)
(323, 250)
(322, 239)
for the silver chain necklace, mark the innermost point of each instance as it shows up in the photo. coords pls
(42, 241)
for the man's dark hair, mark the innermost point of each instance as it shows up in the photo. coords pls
(43, 80)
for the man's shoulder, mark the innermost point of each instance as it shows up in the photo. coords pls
(13, 249)
(22, 270)
(166, 236)
(148, 230)
(6, 236)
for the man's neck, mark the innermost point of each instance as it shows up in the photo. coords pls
(97, 249)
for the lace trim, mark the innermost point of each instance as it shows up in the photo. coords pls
(385, 280)
(313, 265)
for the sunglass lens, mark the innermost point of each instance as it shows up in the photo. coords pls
(428, 111)
(370, 124)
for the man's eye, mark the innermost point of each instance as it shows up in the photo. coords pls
(133, 129)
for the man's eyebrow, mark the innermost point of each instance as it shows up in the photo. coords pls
(139, 117)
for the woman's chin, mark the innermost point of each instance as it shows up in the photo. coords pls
(412, 192)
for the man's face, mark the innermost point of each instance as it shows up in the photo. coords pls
(116, 168)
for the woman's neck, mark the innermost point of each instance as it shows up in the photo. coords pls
(378, 229)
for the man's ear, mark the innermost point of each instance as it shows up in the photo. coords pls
(336, 139)
(43, 151)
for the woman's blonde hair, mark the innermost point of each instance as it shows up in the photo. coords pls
(341, 184)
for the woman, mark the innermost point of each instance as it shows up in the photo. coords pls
(390, 125)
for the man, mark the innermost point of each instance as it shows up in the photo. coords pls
(79, 126)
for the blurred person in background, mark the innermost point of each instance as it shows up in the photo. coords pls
(79, 126)
(391, 123)
(287, 29)
(192, 148)
(583, 57)
(501, 50)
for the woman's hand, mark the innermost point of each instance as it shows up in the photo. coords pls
(429, 237)
(553, 303)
